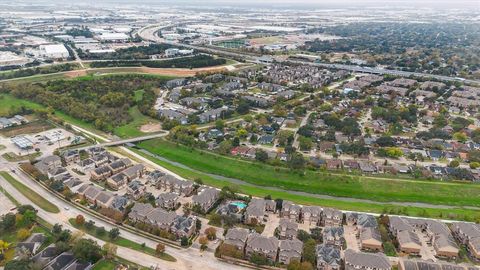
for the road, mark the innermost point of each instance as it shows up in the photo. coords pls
(190, 258)
(149, 33)
(125, 141)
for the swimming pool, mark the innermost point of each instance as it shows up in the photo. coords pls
(240, 205)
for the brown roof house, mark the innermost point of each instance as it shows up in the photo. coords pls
(370, 239)
(291, 211)
(257, 210)
(331, 217)
(289, 250)
(409, 242)
(266, 246)
(287, 229)
(312, 215)
(206, 198)
(237, 237)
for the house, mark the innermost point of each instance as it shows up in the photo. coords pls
(31, 246)
(86, 166)
(370, 239)
(291, 211)
(139, 212)
(290, 250)
(48, 163)
(77, 265)
(288, 94)
(328, 257)
(45, 256)
(100, 173)
(334, 164)
(184, 226)
(361, 220)
(117, 181)
(333, 236)
(167, 200)
(287, 229)
(417, 264)
(60, 262)
(71, 156)
(469, 235)
(160, 218)
(206, 198)
(237, 237)
(266, 246)
(175, 83)
(134, 172)
(366, 261)
(398, 224)
(266, 139)
(212, 115)
(331, 217)
(56, 172)
(120, 204)
(100, 160)
(104, 199)
(408, 242)
(256, 210)
(119, 165)
(312, 215)
(136, 189)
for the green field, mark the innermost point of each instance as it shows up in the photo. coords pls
(383, 191)
(12, 157)
(30, 194)
(132, 129)
(122, 242)
(8, 102)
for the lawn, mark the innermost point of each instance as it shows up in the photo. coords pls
(104, 265)
(132, 129)
(30, 194)
(8, 102)
(455, 213)
(120, 241)
(377, 189)
(12, 157)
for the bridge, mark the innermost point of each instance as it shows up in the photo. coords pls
(126, 141)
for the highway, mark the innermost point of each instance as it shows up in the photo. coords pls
(126, 141)
(149, 33)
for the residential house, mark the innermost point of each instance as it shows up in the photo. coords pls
(237, 237)
(361, 220)
(409, 242)
(100, 173)
(48, 163)
(287, 229)
(312, 215)
(290, 250)
(119, 165)
(366, 261)
(167, 200)
(256, 210)
(328, 257)
(398, 224)
(184, 226)
(61, 261)
(206, 198)
(71, 156)
(291, 211)
(30, 246)
(334, 236)
(331, 217)
(259, 244)
(136, 189)
(417, 264)
(370, 239)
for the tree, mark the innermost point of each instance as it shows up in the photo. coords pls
(258, 259)
(303, 236)
(385, 141)
(243, 107)
(100, 231)
(474, 156)
(454, 164)
(19, 265)
(211, 233)
(295, 264)
(184, 241)
(305, 143)
(114, 233)
(296, 161)
(8, 222)
(474, 165)
(23, 234)
(309, 251)
(219, 124)
(460, 136)
(80, 220)
(203, 241)
(160, 249)
(87, 250)
(89, 225)
(4, 246)
(109, 251)
(261, 155)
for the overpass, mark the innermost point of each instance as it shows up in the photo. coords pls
(149, 33)
(126, 141)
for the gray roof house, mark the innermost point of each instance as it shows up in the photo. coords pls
(328, 257)
(237, 237)
(266, 246)
(366, 261)
(287, 229)
(206, 198)
(289, 250)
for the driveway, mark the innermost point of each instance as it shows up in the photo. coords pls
(350, 238)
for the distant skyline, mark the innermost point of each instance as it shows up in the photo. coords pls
(454, 4)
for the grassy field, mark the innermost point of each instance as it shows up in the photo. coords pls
(122, 242)
(454, 213)
(30, 194)
(12, 157)
(371, 188)
(132, 129)
(8, 102)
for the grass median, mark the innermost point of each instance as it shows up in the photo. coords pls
(34, 197)
(122, 242)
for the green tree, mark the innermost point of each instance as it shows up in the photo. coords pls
(309, 251)
(114, 233)
(296, 161)
(261, 155)
(305, 143)
(87, 250)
